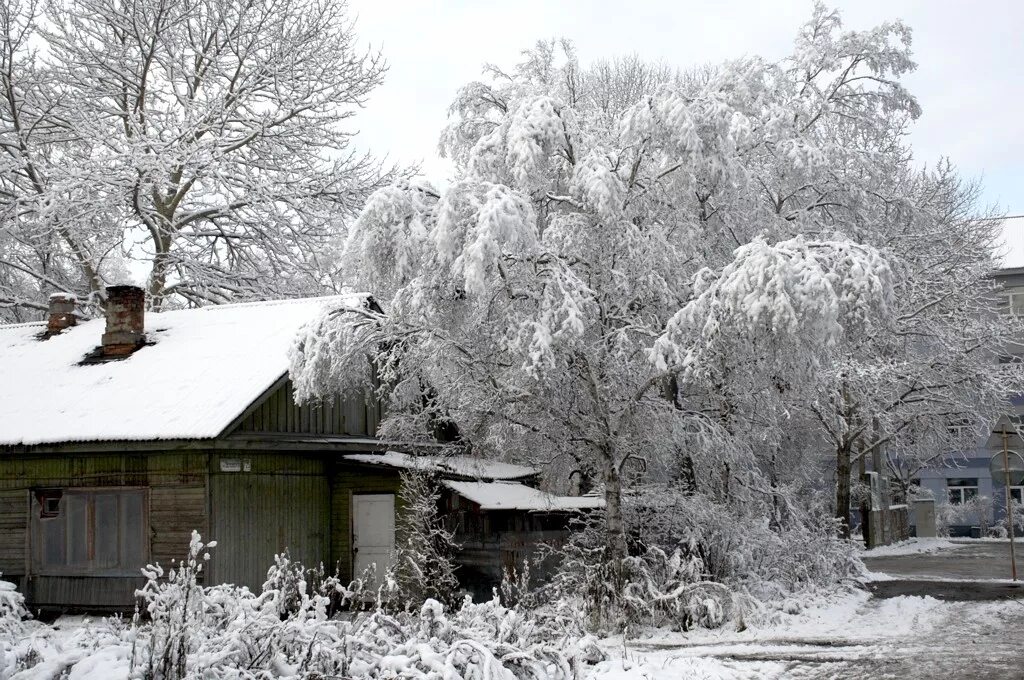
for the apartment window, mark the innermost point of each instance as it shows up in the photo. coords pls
(1015, 301)
(101, 532)
(1017, 493)
(961, 489)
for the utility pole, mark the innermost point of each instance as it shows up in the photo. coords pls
(1009, 504)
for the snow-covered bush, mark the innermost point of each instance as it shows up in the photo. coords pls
(1002, 527)
(697, 561)
(175, 607)
(12, 616)
(652, 587)
(422, 567)
(745, 541)
(186, 631)
(12, 610)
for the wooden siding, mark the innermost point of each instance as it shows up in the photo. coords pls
(345, 481)
(94, 593)
(279, 414)
(177, 496)
(283, 501)
(174, 512)
(13, 531)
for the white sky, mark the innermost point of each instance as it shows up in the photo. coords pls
(968, 81)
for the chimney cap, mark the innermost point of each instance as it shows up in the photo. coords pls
(125, 312)
(123, 289)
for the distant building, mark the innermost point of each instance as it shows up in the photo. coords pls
(975, 503)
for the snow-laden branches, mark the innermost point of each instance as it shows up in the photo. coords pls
(727, 278)
(206, 141)
(807, 292)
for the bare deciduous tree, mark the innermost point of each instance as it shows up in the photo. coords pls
(209, 140)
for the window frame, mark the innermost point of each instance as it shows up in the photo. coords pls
(39, 566)
(961, 489)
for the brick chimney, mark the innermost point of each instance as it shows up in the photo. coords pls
(125, 312)
(62, 313)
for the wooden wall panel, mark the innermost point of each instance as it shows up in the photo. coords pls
(174, 511)
(13, 531)
(279, 413)
(282, 502)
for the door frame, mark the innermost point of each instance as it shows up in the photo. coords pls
(352, 524)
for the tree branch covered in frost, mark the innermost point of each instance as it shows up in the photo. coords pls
(735, 278)
(422, 566)
(208, 141)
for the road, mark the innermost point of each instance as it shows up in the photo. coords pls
(971, 559)
(928, 623)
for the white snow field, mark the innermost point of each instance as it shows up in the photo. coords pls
(851, 637)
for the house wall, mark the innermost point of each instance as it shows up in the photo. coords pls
(278, 413)
(177, 504)
(276, 502)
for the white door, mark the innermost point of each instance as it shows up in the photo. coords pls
(373, 532)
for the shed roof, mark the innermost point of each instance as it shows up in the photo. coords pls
(453, 466)
(205, 368)
(513, 496)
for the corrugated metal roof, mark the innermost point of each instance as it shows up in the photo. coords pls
(452, 466)
(205, 368)
(513, 496)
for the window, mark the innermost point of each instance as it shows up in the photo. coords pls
(102, 532)
(962, 490)
(1017, 493)
(1014, 301)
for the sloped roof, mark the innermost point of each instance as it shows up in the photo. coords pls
(205, 368)
(1010, 253)
(454, 466)
(513, 496)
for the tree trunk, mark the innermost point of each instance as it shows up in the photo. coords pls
(615, 528)
(843, 491)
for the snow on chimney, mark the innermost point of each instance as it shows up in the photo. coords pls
(62, 313)
(125, 313)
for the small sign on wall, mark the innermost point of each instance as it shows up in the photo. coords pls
(235, 465)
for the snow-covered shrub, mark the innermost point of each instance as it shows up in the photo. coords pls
(12, 610)
(975, 512)
(1002, 527)
(652, 587)
(744, 542)
(187, 631)
(12, 617)
(175, 609)
(695, 561)
(422, 567)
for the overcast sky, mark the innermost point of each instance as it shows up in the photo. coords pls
(969, 78)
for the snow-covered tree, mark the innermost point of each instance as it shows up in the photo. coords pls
(694, 281)
(422, 566)
(208, 141)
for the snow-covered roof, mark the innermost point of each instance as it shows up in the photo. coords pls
(512, 496)
(456, 466)
(205, 368)
(1011, 253)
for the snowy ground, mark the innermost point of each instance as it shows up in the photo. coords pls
(852, 637)
(913, 546)
(977, 633)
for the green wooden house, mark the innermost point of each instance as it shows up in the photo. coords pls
(120, 436)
